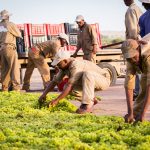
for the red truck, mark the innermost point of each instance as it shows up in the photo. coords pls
(110, 59)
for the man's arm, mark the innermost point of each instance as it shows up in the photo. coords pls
(129, 98)
(94, 39)
(62, 95)
(48, 88)
(78, 47)
(12, 28)
(129, 86)
(131, 23)
(75, 53)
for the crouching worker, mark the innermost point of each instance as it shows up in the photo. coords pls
(37, 55)
(137, 54)
(83, 76)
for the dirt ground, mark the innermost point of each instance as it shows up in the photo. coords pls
(113, 99)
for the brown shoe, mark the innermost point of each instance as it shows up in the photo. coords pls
(84, 108)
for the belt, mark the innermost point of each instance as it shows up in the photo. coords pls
(9, 44)
(2, 46)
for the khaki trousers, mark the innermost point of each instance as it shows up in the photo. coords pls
(38, 61)
(88, 84)
(10, 68)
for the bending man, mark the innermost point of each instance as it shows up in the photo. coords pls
(137, 55)
(83, 76)
(36, 58)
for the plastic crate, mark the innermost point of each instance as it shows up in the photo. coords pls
(37, 39)
(37, 29)
(71, 28)
(96, 27)
(55, 29)
(37, 33)
(52, 37)
(71, 48)
(72, 39)
(20, 26)
(23, 44)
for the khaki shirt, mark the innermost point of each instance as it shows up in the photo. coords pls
(49, 48)
(144, 68)
(87, 37)
(132, 21)
(76, 70)
(8, 32)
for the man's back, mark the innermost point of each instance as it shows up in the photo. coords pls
(8, 32)
(77, 68)
(131, 21)
(49, 47)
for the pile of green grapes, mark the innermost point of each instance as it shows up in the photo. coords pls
(24, 126)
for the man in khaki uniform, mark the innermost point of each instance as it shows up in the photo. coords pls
(132, 29)
(83, 75)
(9, 58)
(137, 54)
(87, 40)
(36, 58)
(132, 20)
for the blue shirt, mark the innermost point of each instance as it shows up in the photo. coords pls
(144, 23)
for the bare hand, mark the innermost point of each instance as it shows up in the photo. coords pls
(129, 118)
(42, 99)
(94, 49)
(74, 55)
(53, 102)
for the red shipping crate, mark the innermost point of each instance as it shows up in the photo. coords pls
(24, 28)
(96, 27)
(37, 29)
(37, 33)
(55, 29)
(20, 26)
(71, 48)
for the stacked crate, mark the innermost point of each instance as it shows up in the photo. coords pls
(72, 31)
(96, 27)
(23, 43)
(37, 33)
(53, 30)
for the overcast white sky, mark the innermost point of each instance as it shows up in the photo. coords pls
(108, 13)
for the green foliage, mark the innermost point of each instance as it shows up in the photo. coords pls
(24, 126)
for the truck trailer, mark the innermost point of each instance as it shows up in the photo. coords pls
(107, 57)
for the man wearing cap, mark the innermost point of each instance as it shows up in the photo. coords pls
(87, 40)
(36, 58)
(132, 16)
(9, 58)
(137, 54)
(83, 76)
(144, 20)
